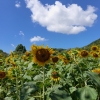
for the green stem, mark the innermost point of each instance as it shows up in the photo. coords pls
(43, 82)
(17, 89)
(82, 77)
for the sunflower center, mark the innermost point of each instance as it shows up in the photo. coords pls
(55, 59)
(55, 75)
(2, 74)
(84, 53)
(94, 48)
(95, 55)
(42, 55)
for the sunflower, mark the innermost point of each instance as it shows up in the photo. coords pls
(65, 60)
(60, 56)
(73, 52)
(2, 74)
(95, 55)
(7, 60)
(83, 53)
(97, 70)
(94, 48)
(13, 64)
(69, 52)
(55, 76)
(24, 57)
(55, 59)
(41, 55)
(15, 56)
(10, 73)
(27, 53)
(11, 54)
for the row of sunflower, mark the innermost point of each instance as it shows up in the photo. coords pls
(45, 74)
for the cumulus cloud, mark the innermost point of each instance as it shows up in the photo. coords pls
(13, 45)
(70, 19)
(37, 39)
(17, 4)
(21, 33)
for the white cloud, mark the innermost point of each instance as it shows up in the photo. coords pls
(17, 4)
(13, 45)
(59, 18)
(37, 39)
(21, 33)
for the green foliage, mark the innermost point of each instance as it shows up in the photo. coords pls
(20, 49)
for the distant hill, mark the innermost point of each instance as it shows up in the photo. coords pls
(61, 50)
(96, 42)
(4, 54)
(87, 47)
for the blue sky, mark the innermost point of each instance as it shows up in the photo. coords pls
(58, 24)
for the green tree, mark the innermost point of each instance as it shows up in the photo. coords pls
(1, 51)
(20, 49)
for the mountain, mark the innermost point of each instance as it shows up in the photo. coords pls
(87, 47)
(95, 43)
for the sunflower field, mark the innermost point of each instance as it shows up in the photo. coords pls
(45, 74)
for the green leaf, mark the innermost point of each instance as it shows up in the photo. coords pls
(86, 93)
(32, 98)
(30, 66)
(28, 89)
(38, 77)
(72, 89)
(8, 98)
(27, 77)
(59, 94)
(95, 78)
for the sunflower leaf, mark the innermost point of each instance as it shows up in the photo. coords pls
(58, 93)
(86, 93)
(95, 78)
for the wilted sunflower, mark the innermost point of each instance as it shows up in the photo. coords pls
(83, 53)
(94, 48)
(97, 70)
(55, 76)
(41, 55)
(2, 74)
